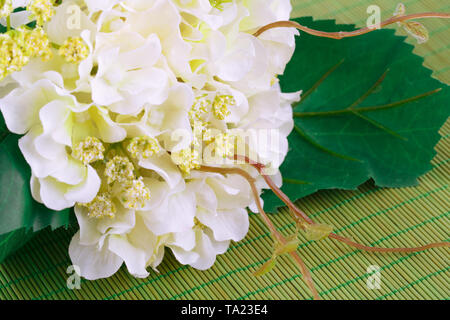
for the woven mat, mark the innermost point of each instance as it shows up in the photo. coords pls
(384, 217)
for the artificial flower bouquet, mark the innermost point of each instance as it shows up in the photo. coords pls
(159, 124)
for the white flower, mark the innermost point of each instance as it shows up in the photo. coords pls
(48, 115)
(127, 78)
(232, 54)
(173, 210)
(220, 217)
(113, 123)
(102, 246)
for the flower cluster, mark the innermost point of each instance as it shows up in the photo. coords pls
(116, 116)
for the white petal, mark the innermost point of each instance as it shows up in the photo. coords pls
(184, 240)
(21, 107)
(226, 224)
(73, 173)
(17, 18)
(163, 165)
(109, 131)
(35, 187)
(232, 192)
(103, 93)
(53, 194)
(41, 167)
(208, 249)
(86, 191)
(123, 222)
(134, 258)
(54, 117)
(176, 214)
(185, 257)
(144, 56)
(94, 263)
(88, 234)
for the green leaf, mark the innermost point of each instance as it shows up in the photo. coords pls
(12, 241)
(317, 232)
(369, 110)
(20, 215)
(290, 246)
(266, 268)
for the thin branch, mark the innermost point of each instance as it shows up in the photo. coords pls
(347, 34)
(304, 217)
(300, 216)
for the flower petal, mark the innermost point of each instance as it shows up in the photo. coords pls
(94, 263)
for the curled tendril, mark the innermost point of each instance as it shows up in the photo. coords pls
(347, 34)
(302, 219)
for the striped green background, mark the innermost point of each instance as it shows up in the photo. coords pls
(402, 217)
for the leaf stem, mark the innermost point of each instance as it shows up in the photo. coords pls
(322, 148)
(303, 216)
(347, 241)
(370, 91)
(347, 34)
(318, 83)
(364, 109)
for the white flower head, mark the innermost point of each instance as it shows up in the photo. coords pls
(120, 113)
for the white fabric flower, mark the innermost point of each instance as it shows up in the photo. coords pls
(220, 217)
(127, 78)
(113, 130)
(102, 246)
(46, 115)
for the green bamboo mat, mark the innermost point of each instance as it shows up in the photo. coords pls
(384, 217)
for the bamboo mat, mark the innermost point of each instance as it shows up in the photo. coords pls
(383, 217)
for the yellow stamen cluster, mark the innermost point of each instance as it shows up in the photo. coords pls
(199, 109)
(18, 47)
(135, 195)
(74, 50)
(41, 10)
(190, 158)
(38, 44)
(6, 8)
(143, 147)
(187, 159)
(102, 206)
(220, 106)
(224, 145)
(119, 169)
(208, 135)
(121, 183)
(89, 150)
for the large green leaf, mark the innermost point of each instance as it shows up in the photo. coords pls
(10, 242)
(369, 110)
(20, 215)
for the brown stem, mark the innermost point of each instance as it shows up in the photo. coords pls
(300, 214)
(279, 237)
(345, 34)
(303, 216)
